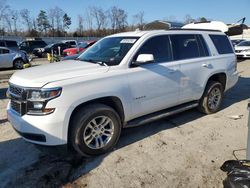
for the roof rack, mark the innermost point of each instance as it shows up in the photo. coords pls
(181, 29)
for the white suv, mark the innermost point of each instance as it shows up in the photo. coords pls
(123, 80)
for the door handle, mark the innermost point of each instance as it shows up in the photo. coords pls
(205, 65)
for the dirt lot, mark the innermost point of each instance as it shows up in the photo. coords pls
(185, 150)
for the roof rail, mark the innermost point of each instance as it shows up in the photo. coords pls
(194, 29)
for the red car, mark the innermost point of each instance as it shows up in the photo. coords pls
(80, 48)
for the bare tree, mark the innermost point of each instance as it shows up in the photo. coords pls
(14, 17)
(3, 10)
(25, 15)
(139, 19)
(100, 17)
(118, 18)
(59, 18)
(188, 19)
(80, 24)
(89, 19)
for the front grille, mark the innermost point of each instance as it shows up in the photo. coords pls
(16, 106)
(18, 91)
(18, 99)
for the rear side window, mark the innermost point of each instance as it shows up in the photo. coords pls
(188, 46)
(11, 43)
(222, 44)
(158, 46)
(4, 51)
(72, 43)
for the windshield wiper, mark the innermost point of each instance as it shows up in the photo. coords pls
(96, 62)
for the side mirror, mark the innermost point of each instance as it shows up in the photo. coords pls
(144, 58)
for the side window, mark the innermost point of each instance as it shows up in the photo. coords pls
(4, 51)
(222, 44)
(2, 43)
(11, 43)
(158, 46)
(186, 47)
(203, 46)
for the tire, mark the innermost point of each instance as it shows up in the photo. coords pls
(211, 99)
(83, 136)
(18, 64)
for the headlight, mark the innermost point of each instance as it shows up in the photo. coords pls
(248, 50)
(37, 100)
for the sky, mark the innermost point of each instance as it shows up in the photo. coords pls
(228, 11)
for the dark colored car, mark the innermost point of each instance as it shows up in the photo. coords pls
(11, 44)
(29, 45)
(80, 48)
(40, 52)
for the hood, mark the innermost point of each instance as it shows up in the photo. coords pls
(41, 75)
(242, 47)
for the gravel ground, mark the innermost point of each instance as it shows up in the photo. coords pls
(185, 150)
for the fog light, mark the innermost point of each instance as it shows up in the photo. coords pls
(37, 105)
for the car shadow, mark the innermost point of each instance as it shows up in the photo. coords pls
(241, 91)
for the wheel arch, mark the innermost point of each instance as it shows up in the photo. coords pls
(219, 77)
(111, 101)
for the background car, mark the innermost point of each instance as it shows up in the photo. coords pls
(72, 57)
(11, 44)
(40, 52)
(12, 58)
(242, 50)
(30, 44)
(80, 48)
(72, 43)
(237, 41)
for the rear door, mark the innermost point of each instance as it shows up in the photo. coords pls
(191, 51)
(5, 58)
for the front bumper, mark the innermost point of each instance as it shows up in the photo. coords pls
(243, 54)
(44, 130)
(232, 80)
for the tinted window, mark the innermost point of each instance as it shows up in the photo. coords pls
(158, 46)
(2, 43)
(203, 46)
(222, 44)
(40, 43)
(188, 46)
(4, 51)
(244, 43)
(11, 43)
(72, 43)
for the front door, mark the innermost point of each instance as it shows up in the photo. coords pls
(154, 86)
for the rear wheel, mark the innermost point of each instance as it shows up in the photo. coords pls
(18, 64)
(211, 100)
(95, 129)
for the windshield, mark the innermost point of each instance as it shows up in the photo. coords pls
(49, 45)
(244, 43)
(83, 45)
(110, 50)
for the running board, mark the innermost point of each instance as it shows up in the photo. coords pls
(161, 114)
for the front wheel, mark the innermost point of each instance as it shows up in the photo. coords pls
(18, 64)
(211, 99)
(95, 129)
